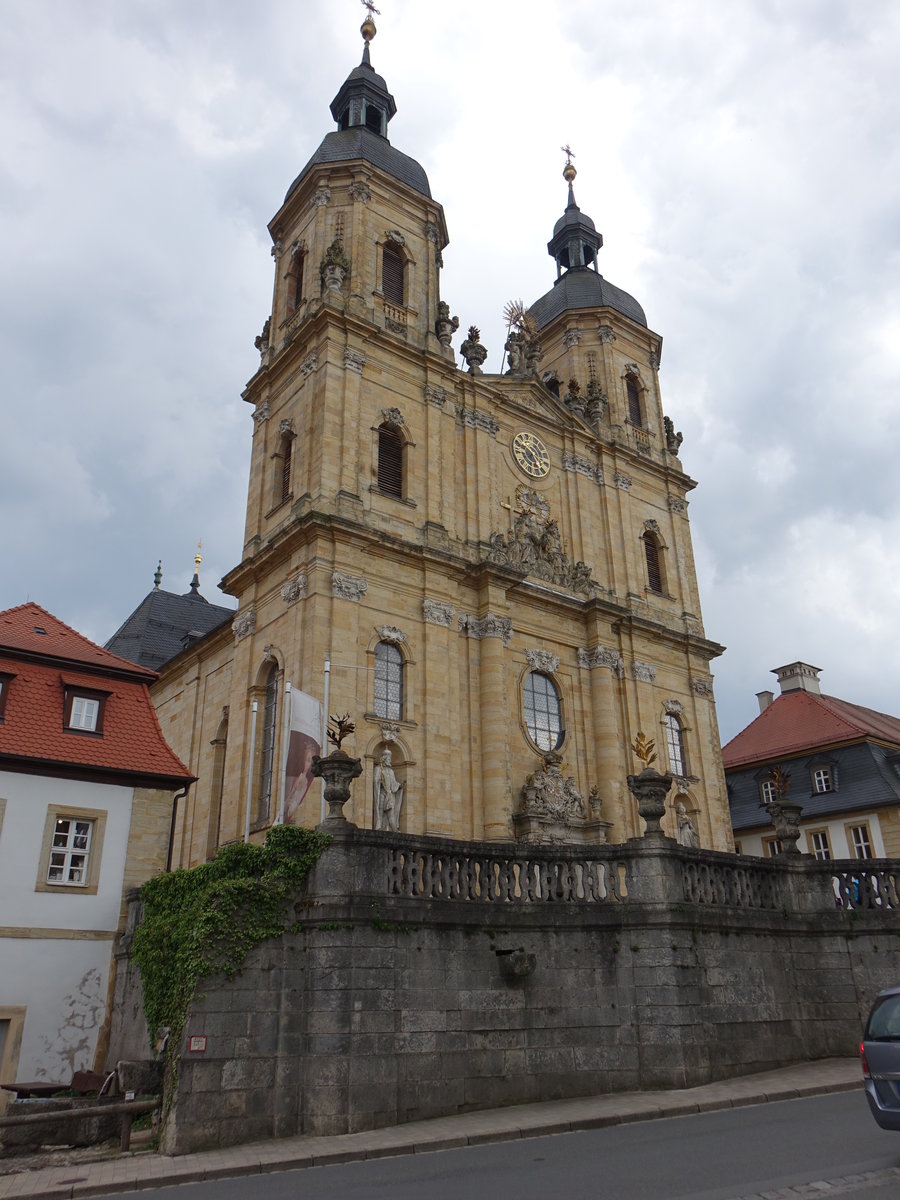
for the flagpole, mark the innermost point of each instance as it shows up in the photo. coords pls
(286, 741)
(325, 726)
(253, 708)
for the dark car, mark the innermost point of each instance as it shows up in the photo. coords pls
(880, 1053)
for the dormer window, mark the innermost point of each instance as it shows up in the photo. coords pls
(83, 709)
(5, 681)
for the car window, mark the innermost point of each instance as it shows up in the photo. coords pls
(884, 1020)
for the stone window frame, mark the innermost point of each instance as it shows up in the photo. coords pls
(629, 375)
(819, 831)
(652, 537)
(257, 691)
(401, 249)
(295, 276)
(852, 843)
(282, 460)
(12, 1045)
(97, 817)
(675, 721)
(389, 653)
(525, 674)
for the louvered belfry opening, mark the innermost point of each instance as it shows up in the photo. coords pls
(392, 274)
(634, 401)
(287, 453)
(390, 462)
(654, 574)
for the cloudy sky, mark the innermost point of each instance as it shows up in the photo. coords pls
(741, 160)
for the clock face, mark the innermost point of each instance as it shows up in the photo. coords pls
(531, 454)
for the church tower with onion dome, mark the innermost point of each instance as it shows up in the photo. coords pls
(496, 567)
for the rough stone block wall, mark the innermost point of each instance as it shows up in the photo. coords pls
(385, 1009)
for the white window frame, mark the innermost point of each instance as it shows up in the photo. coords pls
(822, 780)
(772, 847)
(675, 745)
(767, 791)
(84, 713)
(67, 850)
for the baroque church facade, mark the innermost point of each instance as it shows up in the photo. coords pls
(498, 568)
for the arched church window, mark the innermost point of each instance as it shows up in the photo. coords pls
(634, 400)
(674, 744)
(542, 711)
(392, 272)
(388, 681)
(390, 462)
(654, 567)
(267, 746)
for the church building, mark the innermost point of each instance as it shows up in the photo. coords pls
(497, 567)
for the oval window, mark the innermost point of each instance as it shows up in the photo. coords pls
(543, 712)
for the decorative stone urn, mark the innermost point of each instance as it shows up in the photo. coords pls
(338, 770)
(650, 790)
(473, 351)
(445, 326)
(786, 821)
(334, 268)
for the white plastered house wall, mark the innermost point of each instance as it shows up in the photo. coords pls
(56, 940)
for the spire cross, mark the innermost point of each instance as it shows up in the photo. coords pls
(370, 8)
(567, 150)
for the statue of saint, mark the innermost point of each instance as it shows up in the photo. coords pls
(387, 792)
(687, 834)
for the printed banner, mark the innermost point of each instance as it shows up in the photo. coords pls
(305, 741)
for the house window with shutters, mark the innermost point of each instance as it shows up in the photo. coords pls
(654, 564)
(392, 274)
(390, 462)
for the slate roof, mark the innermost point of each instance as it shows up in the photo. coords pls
(33, 735)
(801, 729)
(582, 287)
(358, 142)
(864, 778)
(163, 624)
(800, 721)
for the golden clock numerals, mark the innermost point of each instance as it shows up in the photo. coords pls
(531, 454)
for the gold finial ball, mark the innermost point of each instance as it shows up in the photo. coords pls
(569, 172)
(368, 30)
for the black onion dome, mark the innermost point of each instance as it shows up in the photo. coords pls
(584, 288)
(345, 145)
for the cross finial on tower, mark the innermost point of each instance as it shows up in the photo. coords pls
(569, 171)
(157, 576)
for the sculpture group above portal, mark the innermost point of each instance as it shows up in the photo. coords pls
(534, 545)
(554, 811)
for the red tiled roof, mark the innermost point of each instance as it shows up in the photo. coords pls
(32, 733)
(799, 721)
(18, 632)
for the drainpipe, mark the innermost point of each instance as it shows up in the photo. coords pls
(178, 796)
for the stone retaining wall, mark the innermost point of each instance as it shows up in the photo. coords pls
(430, 977)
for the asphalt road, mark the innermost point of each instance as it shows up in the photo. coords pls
(711, 1156)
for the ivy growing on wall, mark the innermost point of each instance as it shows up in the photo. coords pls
(206, 919)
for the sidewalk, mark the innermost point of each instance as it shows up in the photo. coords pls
(132, 1172)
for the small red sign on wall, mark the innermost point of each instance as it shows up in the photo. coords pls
(197, 1044)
